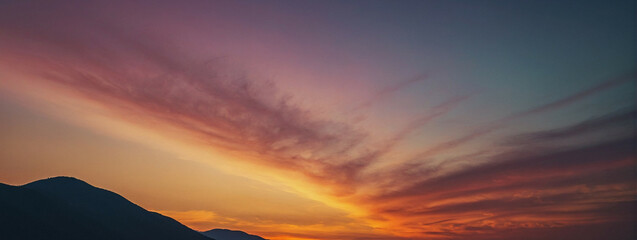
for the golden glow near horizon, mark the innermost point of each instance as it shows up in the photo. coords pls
(153, 161)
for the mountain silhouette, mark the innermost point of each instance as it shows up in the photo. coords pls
(225, 234)
(71, 209)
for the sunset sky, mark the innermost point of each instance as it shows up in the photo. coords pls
(332, 119)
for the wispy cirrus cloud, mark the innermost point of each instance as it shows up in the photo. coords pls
(229, 109)
(502, 122)
(622, 119)
(388, 91)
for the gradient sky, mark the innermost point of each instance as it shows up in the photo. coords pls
(333, 119)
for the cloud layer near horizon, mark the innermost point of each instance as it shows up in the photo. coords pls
(519, 184)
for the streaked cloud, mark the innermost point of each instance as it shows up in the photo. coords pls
(519, 183)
